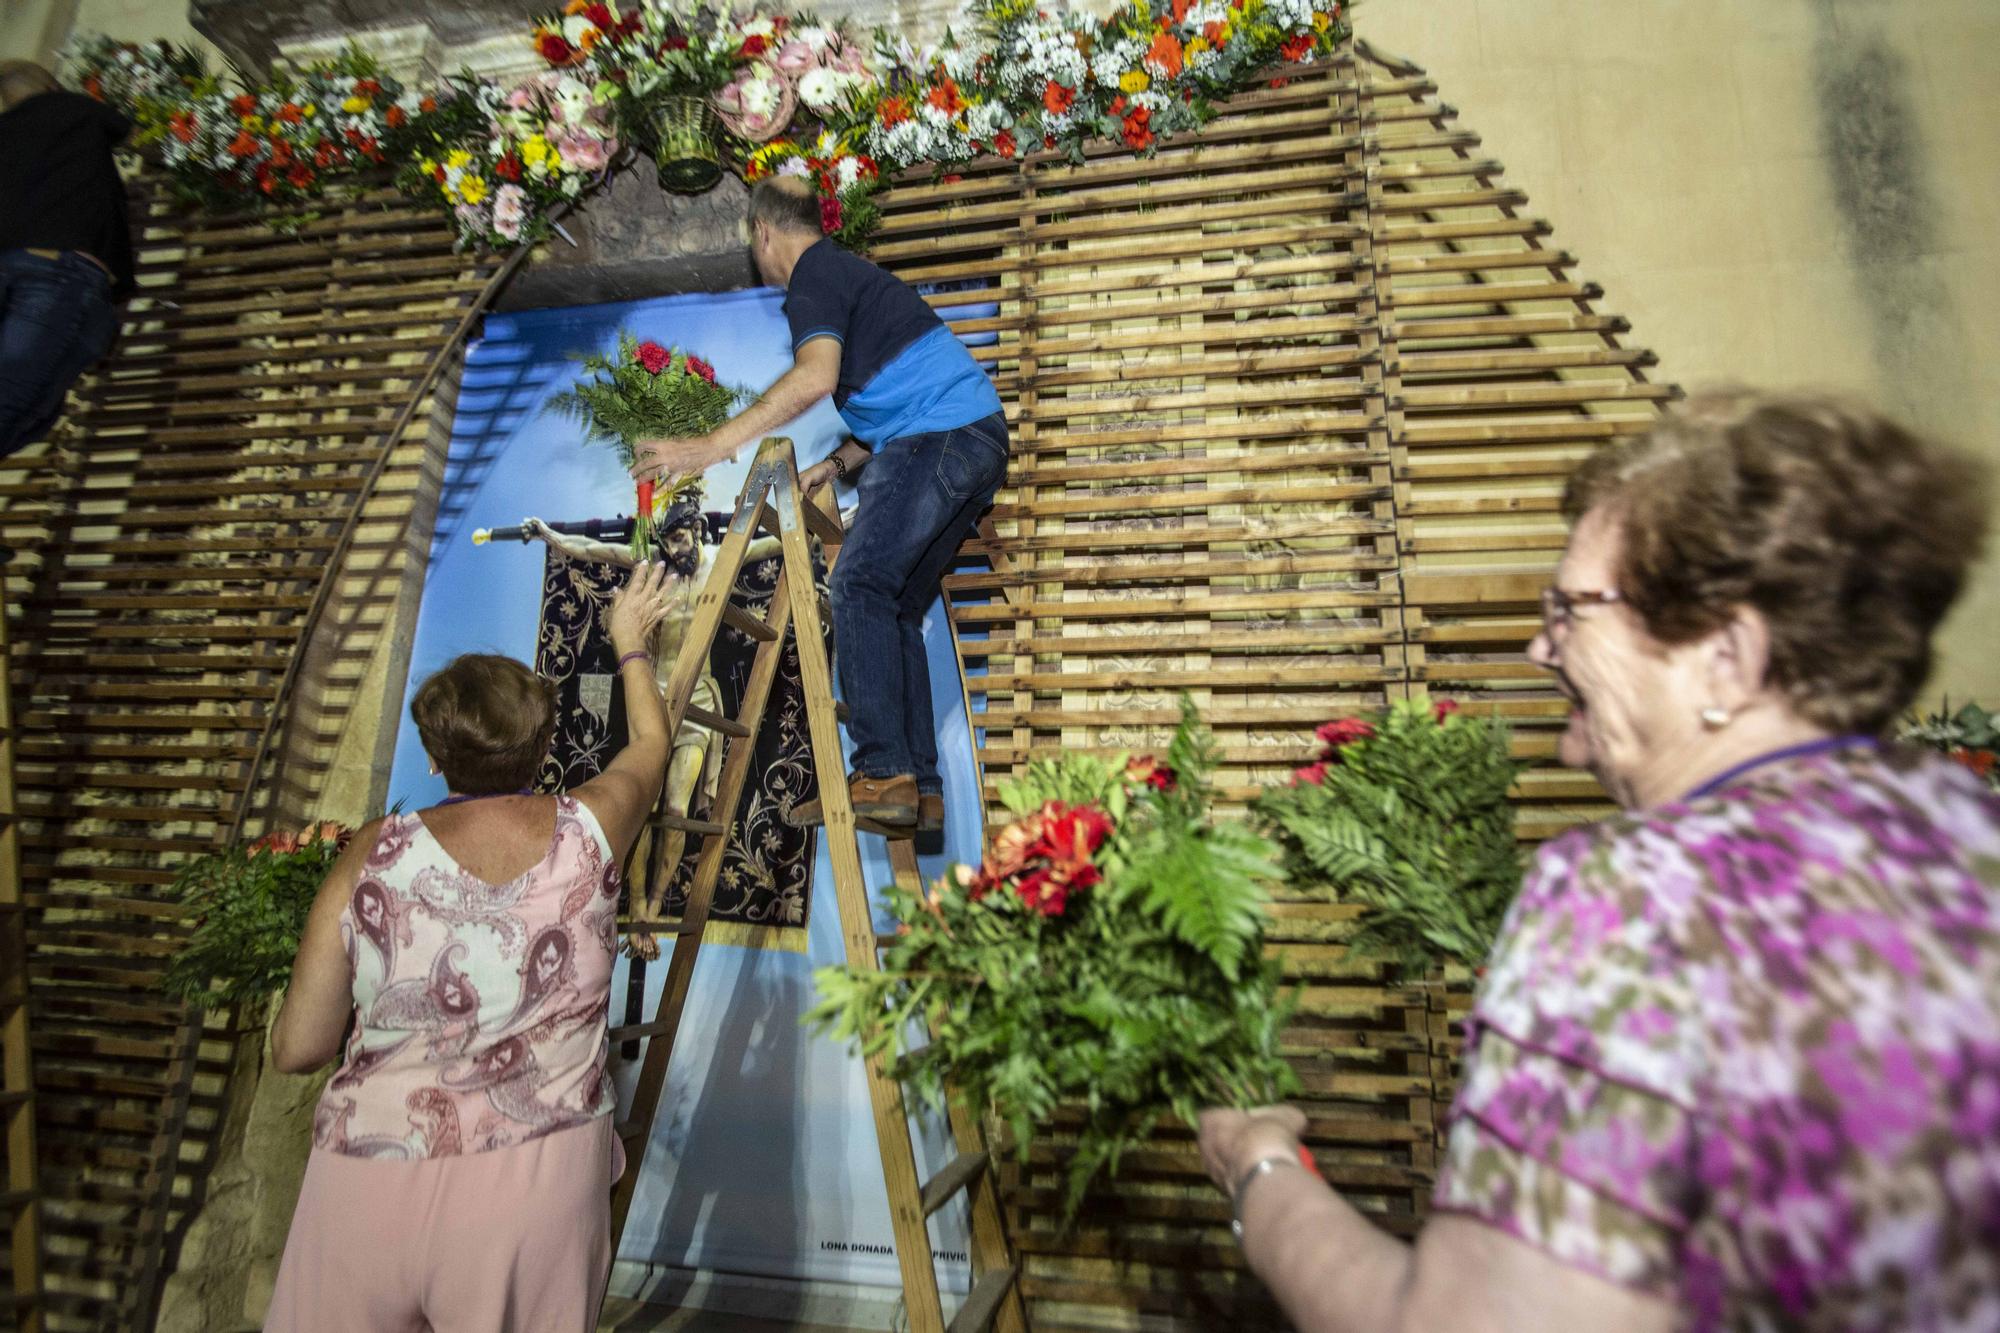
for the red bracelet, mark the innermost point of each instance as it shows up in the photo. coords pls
(636, 655)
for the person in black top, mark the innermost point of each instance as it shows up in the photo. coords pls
(65, 245)
(928, 427)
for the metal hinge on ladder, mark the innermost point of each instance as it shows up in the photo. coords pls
(771, 503)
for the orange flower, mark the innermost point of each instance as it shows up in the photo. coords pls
(1213, 31)
(1181, 8)
(243, 104)
(944, 97)
(1165, 54)
(428, 105)
(394, 117)
(94, 86)
(243, 145)
(893, 111)
(290, 114)
(1056, 98)
(576, 7)
(182, 125)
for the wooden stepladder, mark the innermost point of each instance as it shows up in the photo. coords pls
(20, 1197)
(771, 502)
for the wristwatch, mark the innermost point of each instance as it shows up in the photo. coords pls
(1264, 1166)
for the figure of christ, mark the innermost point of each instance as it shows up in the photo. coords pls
(696, 760)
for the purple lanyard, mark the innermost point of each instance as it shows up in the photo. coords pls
(483, 796)
(1803, 751)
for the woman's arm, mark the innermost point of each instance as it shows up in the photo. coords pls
(1334, 1272)
(625, 791)
(321, 993)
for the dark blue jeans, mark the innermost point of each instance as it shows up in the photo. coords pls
(920, 496)
(56, 318)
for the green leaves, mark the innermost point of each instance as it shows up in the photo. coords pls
(1150, 994)
(252, 909)
(1413, 822)
(623, 402)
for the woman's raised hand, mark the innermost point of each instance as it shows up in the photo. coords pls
(638, 608)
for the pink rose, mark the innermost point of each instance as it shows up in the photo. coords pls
(795, 58)
(585, 152)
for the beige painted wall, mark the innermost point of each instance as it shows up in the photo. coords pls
(1780, 192)
(1775, 192)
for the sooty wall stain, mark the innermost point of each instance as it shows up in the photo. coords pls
(1874, 153)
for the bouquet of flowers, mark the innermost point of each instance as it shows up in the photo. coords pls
(511, 159)
(146, 83)
(846, 178)
(252, 903)
(1971, 736)
(1107, 955)
(1406, 813)
(647, 392)
(941, 107)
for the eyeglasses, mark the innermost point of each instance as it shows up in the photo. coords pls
(1559, 605)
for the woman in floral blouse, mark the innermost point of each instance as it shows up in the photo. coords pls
(1736, 1059)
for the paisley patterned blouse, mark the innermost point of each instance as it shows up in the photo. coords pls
(481, 1007)
(1743, 1053)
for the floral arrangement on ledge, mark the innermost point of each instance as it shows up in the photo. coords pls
(1407, 813)
(1971, 736)
(1107, 956)
(251, 904)
(794, 96)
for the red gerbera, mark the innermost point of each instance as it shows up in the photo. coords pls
(1345, 731)
(182, 125)
(1297, 48)
(1003, 143)
(754, 45)
(652, 356)
(243, 145)
(394, 117)
(1056, 98)
(554, 49)
(290, 114)
(243, 104)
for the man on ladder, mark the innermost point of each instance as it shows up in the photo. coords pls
(929, 429)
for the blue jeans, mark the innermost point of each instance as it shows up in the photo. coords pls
(56, 319)
(920, 496)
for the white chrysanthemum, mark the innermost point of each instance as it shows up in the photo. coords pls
(846, 172)
(761, 97)
(821, 89)
(814, 35)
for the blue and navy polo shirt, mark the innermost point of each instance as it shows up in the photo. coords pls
(902, 370)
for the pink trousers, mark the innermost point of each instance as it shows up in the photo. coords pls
(514, 1240)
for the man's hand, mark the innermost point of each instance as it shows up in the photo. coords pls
(655, 459)
(818, 475)
(1233, 1141)
(535, 529)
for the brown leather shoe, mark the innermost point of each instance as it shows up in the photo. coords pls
(884, 800)
(930, 812)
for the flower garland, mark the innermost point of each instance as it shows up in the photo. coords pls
(848, 110)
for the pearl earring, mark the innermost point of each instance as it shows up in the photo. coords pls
(1714, 718)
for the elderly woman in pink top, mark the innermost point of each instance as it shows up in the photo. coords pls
(463, 1153)
(1735, 1062)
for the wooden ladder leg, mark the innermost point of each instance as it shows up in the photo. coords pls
(995, 1298)
(885, 1096)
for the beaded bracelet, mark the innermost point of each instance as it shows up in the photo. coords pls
(839, 464)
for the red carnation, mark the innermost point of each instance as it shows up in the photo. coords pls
(1003, 143)
(652, 356)
(1150, 772)
(829, 215)
(300, 175)
(1979, 761)
(554, 49)
(674, 42)
(290, 114)
(697, 366)
(243, 145)
(1137, 131)
(366, 88)
(754, 46)
(1345, 731)
(243, 104)
(1311, 775)
(508, 168)
(600, 15)
(1444, 708)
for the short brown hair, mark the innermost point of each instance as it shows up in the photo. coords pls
(1850, 535)
(487, 721)
(787, 203)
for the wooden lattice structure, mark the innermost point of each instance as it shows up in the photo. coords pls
(239, 473)
(1292, 405)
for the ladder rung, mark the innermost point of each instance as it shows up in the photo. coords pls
(706, 828)
(893, 831)
(628, 1130)
(728, 726)
(638, 1032)
(756, 628)
(12, 1099)
(820, 525)
(982, 1303)
(14, 1200)
(961, 1171)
